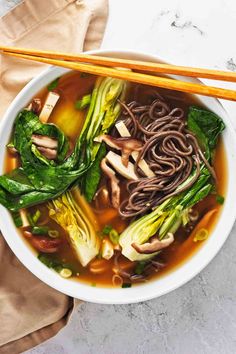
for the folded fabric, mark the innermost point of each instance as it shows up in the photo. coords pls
(31, 311)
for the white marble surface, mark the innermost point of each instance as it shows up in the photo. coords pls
(200, 317)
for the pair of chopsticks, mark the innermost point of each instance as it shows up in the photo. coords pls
(106, 66)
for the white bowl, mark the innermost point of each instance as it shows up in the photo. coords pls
(153, 288)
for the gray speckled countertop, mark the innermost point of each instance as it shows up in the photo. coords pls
(200, 317)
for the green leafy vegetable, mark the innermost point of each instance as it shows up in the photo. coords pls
(220, 199)
(53, 84)
(166, 218)
(206, 126)
(93, 175)
(39, 179)
(114, 236)
(83, 103)
(74, 218)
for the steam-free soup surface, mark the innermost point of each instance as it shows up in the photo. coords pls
(71, 88)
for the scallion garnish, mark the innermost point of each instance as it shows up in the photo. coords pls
(40, 230)
(220, 199)
(126, 285)
(106, 230)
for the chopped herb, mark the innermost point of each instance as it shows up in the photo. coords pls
(106, 230)
(84, 102)
(93, 284)
(53, 84)
(114, 236)
(36, 216)
(126, 285)
(53, 233)
(40, 230)
(17, 219)
(220, 199)
(140, 267)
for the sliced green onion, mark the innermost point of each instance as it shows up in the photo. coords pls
(84, 102)
(31, 221)
(40, 230)
(220, 199)
(201, 235)
(65, 272)
(114, 236)
(17, 219)
(36, 216)
(53, 233)
(126, 285)
(106, 230)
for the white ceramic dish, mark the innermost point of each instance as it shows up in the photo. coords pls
(137, 293)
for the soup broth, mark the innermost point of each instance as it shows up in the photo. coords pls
(70, 120)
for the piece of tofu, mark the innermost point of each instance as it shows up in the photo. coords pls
(124, 133)
(48, 107)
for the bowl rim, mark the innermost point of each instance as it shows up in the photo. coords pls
(155, 288)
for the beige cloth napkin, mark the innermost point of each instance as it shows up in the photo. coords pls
(30, 311)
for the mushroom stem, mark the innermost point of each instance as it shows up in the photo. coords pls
(115, 189)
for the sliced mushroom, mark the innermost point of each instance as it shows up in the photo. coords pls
(46, 145)
(126, 145)
(115, 161)
(154, 245)
(124, 132)
(50, 154)
(115, 189)
(44, 141)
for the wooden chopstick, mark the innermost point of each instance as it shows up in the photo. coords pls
(130, 64)
(135, 77)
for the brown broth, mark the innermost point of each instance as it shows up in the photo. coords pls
(72, 87)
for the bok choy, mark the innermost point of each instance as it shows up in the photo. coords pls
(39, 179)
(166, 218)
(74, 217)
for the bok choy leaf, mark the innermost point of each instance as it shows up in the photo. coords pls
(39, 179)
(73, 216)
(166, 218)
